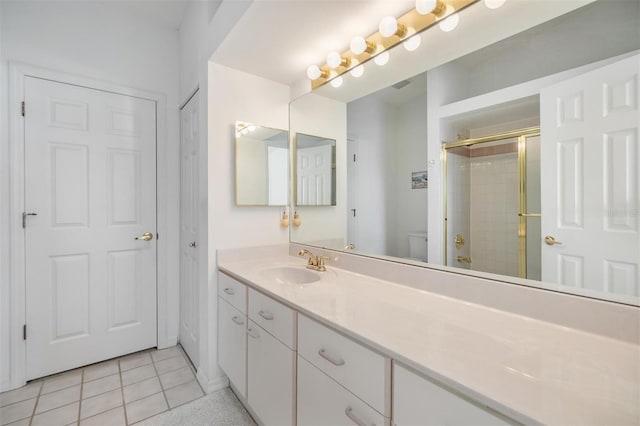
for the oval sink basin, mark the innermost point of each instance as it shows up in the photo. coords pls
(290, 275)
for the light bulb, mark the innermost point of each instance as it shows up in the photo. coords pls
(336, 82)
(334, 60)
(425, 7)
(412, 43)
(451, 21)
(358, 45)
(244, 131)
(388, 26)
(313, 72)
(252, 127)
(357, 71)
(494, 4)
(382, 58)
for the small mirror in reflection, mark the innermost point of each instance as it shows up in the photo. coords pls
(262, 171)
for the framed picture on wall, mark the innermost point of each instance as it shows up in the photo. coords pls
(419, 180)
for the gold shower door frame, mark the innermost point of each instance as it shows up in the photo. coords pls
(522, 135)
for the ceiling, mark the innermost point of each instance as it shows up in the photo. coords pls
(279, 39)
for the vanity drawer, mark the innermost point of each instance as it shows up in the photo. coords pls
(351, 364)
(321, 401)
(273, 316)
(419, 401)
(233, 292)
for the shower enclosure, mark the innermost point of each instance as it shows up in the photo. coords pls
(492, 203)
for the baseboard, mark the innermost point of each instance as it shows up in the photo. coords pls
(171, 341)
(213, 385)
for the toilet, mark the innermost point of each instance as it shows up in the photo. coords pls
(418, 246)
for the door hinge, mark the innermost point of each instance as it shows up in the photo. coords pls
(24, 218)
(22, 108)
(157, 236)
(24, 332)
(354, 156)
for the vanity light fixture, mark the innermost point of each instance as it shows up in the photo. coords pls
(405, 29)
(451, 21)
(357, 71)
(359, 45)
(425, 7)
(389, 27)
(334, 60)
(494, 4)
(244, 128)
(413, 41)
(314, 72)
(337, 82)
(382, 58)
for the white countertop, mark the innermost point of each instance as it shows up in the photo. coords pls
(529, 370)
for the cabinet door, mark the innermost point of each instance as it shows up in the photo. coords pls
(270, 377)
(419, 401)
(322, 401)
(232, 344)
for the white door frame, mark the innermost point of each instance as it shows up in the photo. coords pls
(17, 74)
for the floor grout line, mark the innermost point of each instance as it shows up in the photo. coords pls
(161, 386)
(33, 412)
(124, 405)
(81, 390)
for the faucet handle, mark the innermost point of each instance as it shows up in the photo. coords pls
(321, 259)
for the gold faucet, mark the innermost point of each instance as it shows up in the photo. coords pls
(315, 262)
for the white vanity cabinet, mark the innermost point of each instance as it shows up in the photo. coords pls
(232, 344)
(271, 360)
(340, 381)
(419, 401)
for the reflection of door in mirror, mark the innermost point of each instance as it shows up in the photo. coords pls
(315, 171)
(591, 198)
(353, 190)
(314, 176)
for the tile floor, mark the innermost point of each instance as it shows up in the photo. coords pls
(120, 391)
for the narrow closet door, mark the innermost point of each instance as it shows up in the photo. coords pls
(189, 230)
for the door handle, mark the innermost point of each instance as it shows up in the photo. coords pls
(147, 236)
(192, 244)
(549, 240)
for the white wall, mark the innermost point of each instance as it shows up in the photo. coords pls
(410, 156)
(234, 95)
(100, 41)
(371, 123)
(319, 116)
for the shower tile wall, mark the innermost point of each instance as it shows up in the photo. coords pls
(494, 212)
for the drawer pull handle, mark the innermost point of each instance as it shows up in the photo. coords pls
(337, 362)
(229, 291)
(252, 333)
(349, 412)
(266, 315)
(237, 320)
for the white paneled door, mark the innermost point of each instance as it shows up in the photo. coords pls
(90, 180)
(589, 176)
(314, 175)
(189, 236)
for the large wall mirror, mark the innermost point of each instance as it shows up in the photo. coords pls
(262, 165)
(516, 161)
